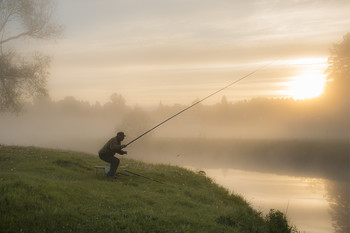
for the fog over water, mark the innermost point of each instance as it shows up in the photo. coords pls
(272, 144)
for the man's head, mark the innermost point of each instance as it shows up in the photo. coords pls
(120, 136)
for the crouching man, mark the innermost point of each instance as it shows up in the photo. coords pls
(108, 151)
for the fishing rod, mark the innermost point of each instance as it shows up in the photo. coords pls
(199, 101)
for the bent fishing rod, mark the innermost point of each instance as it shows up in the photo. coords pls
(199, 101)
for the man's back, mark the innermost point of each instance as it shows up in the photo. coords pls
(111, 147)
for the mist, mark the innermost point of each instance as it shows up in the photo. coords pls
(174, 52)
(305, 138)
(257, 134)
(45, 120)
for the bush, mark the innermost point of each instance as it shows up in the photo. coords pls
(277, 223)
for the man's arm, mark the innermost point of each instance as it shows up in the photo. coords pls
(115, 146)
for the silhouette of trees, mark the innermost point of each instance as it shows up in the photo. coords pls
(117, 103)
(70, 106)
(21, 78)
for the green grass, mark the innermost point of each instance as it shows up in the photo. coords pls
(43, 190)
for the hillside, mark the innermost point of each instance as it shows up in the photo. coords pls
(44, 190)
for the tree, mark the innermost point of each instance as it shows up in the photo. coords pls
(116, 104)
(20, 78)
(338, 71)
(117, 99)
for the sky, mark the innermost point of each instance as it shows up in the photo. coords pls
(179, 51)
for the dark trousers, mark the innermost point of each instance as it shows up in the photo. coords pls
(112, 160)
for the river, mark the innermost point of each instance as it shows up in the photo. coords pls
(308, 180)
(302, 199)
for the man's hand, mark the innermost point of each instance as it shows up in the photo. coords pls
(125, 152)
(122, 146)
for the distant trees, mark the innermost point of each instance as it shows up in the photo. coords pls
(22, 78)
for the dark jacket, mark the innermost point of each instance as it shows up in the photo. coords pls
(112, 147)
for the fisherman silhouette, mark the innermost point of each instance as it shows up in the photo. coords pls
(108, 151)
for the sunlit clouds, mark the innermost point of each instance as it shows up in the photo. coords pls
(178, 51)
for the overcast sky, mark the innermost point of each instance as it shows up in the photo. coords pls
(178, 51)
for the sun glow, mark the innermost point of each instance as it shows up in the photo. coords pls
(306, 86)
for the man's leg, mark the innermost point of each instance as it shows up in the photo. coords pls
(113, 161)
(114, 166)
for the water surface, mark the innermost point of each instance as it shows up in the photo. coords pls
(302, 199)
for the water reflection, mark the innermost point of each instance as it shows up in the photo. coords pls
(303, 200)
(338, 196)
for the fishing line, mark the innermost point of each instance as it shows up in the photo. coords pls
(199, 101)
(145, 177)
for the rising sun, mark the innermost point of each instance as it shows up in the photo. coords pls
(306, 86)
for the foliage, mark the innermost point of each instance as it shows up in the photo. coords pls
(32, 17)
(338, 86)
(20, 78)
(46, 190)
(277, 223)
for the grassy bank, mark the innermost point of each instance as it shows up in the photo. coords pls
(45, 190)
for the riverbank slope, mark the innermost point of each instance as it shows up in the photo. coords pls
(44, 190)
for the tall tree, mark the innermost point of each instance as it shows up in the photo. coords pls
(22, 79)
(338, 85)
